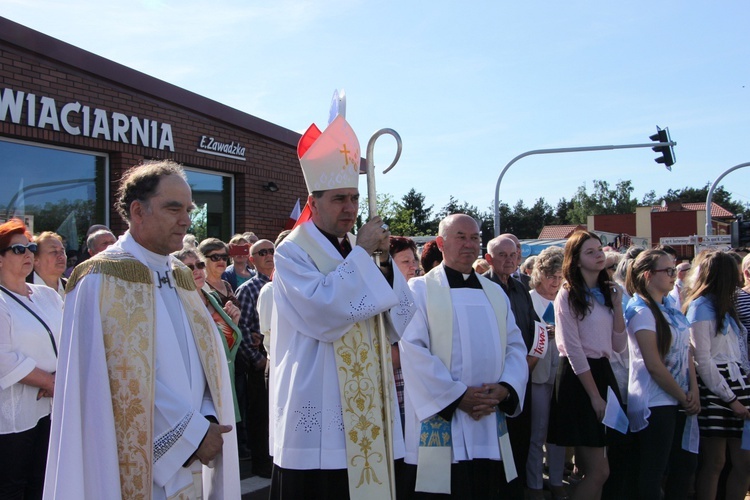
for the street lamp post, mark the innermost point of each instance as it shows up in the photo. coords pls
(563, 150)
(709, 226)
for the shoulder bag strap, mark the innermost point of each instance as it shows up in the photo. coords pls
(51, 337)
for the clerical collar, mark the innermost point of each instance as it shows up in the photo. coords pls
(456, 278)
(159, 264)
(154, 261)
(342, 245)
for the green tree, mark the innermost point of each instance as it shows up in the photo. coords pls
(603, 200)
(199, 222)
(698, 195)
(413, 205)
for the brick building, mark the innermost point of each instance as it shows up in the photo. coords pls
(72, 122)
(674, 219)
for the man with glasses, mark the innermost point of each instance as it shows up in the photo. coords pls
(255, 357)
(502, 254)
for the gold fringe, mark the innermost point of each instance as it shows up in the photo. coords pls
(183, 277)
(122, 266)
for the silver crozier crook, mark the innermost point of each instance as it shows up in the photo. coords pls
(385, 345)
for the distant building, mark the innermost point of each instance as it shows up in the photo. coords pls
(561, 231)
(646, 226)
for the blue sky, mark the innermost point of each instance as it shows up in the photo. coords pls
(468, 85)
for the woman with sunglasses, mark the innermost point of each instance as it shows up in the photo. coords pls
(30, 322)
(662, 388)
(216, 253)
(589, 325)
(226, 317)
(724, 387)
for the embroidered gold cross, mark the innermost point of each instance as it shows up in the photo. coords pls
(345, 152)
(127, 464)
(123, 368)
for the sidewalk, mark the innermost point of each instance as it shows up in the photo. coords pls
(253, 487)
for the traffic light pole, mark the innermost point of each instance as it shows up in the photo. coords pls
(561, 150)
(709, 226)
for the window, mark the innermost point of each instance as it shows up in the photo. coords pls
(215, 192)
(54, 189)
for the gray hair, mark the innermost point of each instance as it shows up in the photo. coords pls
(548, 262)
(186, 252)
(140, 183)
(91, 240)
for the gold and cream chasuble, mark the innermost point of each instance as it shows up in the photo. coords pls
(127, 310)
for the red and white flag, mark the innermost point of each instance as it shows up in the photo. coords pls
(294, 216)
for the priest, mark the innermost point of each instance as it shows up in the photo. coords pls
(329, 429)
(143, 401)
(464, 364)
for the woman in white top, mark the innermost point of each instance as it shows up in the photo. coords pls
(27, 365)
(546, 279)
(724, 388)
(662, 378)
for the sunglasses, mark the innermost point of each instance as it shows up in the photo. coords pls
(218, 257)
(671, 271)
(197, 265)
(264, 251)
(613, 267)
(19, 249)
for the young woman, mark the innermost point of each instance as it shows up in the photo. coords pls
(662, 377)
(589, 324)
(724, 387)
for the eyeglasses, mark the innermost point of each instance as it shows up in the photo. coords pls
(19, 249)
(264, 251)
(552, 277)
(671, 271)
(197, 265)
(218, 257)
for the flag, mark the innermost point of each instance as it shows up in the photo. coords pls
(19, 206)
(69, 231)
(294, 216)
(305, 216)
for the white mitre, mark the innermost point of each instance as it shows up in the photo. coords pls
(330, 160)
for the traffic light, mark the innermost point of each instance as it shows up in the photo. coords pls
(667, 152)
(741, 233)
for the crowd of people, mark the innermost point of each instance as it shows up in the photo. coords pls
(353, 367)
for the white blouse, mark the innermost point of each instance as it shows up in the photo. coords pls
(25, 345)
(712, 350)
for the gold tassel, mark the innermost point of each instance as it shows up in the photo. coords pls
(122, 266)
(183, 277)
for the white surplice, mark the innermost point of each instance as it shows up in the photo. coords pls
(83, 455)
(429, 387)
(312, 310)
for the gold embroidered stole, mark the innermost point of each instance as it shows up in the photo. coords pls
(358, 366)
(128, 316)
(435, 443)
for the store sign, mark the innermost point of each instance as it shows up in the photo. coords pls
(211, 146)
(95, 123)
